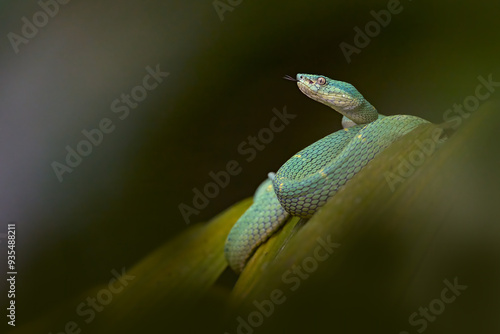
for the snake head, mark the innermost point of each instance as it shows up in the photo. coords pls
(339, 95)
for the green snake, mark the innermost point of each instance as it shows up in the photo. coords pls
(312, 176)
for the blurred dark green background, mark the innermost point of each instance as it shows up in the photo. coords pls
(225, 79)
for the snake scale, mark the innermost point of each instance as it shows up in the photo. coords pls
(308, 179)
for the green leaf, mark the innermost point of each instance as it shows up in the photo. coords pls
(383, 236)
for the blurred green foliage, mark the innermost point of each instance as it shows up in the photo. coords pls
(367, 261)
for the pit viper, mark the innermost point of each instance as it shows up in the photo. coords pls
(308, 179)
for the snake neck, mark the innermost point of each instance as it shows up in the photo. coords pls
(347, 123)
(363, 114)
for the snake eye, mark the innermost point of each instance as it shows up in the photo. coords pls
(321, 81)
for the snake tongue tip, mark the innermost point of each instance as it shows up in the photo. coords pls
(287, 77)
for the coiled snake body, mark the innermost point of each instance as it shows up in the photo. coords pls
(312, 176)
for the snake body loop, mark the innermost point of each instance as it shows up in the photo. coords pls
(308, 179)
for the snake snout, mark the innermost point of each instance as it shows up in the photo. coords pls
(304, 78)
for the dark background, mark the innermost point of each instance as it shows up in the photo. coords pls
(225, 79)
